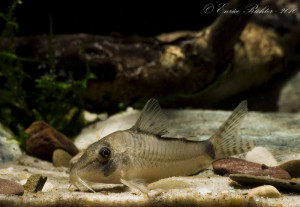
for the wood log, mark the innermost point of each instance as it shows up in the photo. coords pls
(194, 68)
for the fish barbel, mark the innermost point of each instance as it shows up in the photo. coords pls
(143, 154)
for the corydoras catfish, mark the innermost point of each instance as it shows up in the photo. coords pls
(143, 154)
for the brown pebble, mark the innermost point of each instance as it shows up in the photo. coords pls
(293, 167)
(8, 187)
(35, 183)
(44, 140)
(36, 127)
(252, 180)
(238, 166)
(61, 158)
(104, 192)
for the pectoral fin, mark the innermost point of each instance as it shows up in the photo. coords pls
(138, 184)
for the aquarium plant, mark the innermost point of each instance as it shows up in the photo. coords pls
(25, 98)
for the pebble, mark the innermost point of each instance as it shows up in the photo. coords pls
(155, 193)
(262, 156)
(238, 166)
(293, 167)
(44, 140)
(35, 183)
(23, 175)
(61, 158)
(8, 187)
(22, 182)
(204, 191)
(75, 159)
(9, 148)
(250, 180)
(267, 191)
(48, 187)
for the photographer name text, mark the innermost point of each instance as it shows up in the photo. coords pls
(249, 9)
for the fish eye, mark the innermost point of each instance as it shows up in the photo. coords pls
(104, 152)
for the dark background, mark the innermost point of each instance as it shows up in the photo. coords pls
(143, 18)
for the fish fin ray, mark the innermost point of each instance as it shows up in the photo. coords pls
(225, 141)
(152, 120)
(138, 184)
(85, 185)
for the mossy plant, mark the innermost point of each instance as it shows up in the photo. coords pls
(56, 102)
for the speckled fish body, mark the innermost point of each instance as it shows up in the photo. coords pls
(142, 153)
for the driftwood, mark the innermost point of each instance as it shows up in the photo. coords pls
(181, 68)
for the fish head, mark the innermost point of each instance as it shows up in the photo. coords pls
(100, 163)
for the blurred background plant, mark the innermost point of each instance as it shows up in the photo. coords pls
(57, 102)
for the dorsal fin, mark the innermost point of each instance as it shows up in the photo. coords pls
(152, 120)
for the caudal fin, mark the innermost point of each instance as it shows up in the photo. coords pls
(225, 141)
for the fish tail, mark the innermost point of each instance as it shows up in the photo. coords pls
(225, 141)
